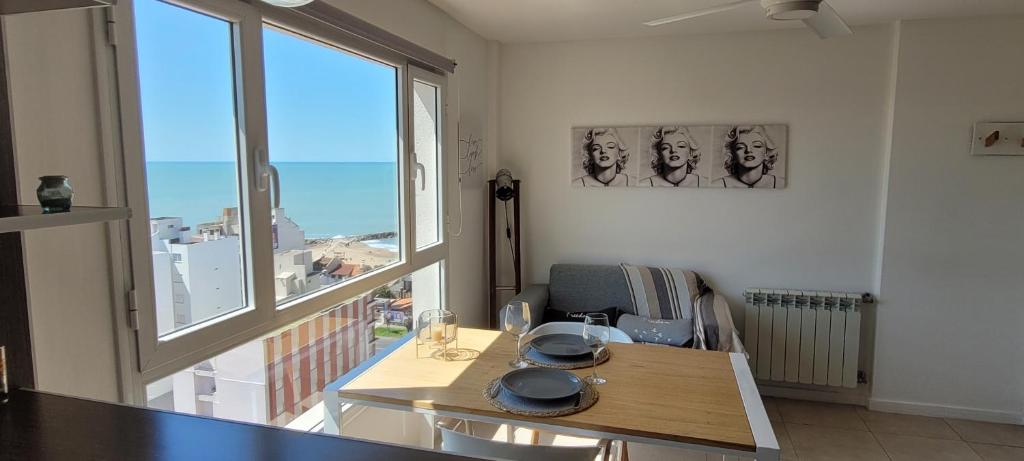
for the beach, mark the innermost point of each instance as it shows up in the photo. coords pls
(351, 251)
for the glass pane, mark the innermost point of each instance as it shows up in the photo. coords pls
(279, 379)
(426, 115)
(187, 81)
(333, 121)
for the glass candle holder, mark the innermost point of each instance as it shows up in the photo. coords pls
(437, 329)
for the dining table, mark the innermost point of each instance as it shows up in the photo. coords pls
(654, 394)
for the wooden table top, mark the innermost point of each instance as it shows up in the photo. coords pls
(41, 426)
(668, 393)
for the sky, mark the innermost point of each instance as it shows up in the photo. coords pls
(323, 105)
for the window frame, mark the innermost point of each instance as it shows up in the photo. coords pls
(437, 250)
(156, 356)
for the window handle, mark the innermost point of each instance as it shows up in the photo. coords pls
(262, 169)
(421, 172)
(275, 186)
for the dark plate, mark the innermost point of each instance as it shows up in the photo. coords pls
(541, 383)
(560, 345)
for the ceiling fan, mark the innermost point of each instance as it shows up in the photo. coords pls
(816, 14)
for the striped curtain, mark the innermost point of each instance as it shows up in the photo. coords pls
(303, 358)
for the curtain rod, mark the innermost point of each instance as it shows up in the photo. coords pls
(334, 17)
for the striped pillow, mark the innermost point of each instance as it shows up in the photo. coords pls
(661, 293)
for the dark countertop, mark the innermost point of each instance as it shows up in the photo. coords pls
(42, 426)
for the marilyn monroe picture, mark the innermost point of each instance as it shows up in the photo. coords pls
(739, 156)
(603, 157)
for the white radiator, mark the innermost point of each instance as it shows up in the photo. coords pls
(809, 337)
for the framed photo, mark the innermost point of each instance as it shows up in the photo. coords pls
(676, 156)
(749, 156)
(687, 156)
(604, 156)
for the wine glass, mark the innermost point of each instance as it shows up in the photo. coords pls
(517, 323)
(596, 333)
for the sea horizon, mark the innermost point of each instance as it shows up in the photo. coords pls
(313, 194)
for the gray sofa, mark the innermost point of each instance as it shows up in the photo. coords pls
(588, 288)
(577, 288)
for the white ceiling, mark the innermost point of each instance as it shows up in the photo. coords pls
(514, 21)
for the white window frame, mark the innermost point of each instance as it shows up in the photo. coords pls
(439, 249)
(156, 357)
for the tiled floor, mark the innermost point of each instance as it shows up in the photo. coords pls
(809, 431)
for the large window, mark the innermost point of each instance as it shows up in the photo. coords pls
(187, 80)
(333, 123)
(272, 184)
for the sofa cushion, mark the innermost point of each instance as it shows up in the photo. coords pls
(585, 287)
(662, 293)
(677, 332)
(555, 315)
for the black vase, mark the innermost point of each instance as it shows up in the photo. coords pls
(54, 193)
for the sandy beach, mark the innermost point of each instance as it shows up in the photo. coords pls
(351, 252)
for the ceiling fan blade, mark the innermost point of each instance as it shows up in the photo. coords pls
(699, 13)
(827, 22)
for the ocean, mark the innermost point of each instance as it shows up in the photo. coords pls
(326, 199)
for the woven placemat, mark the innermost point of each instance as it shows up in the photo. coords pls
(500, 398)
(536, 358)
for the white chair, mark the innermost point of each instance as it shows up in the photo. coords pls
(618, 336)
(454, 440)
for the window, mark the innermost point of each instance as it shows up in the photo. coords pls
(332, 119)
(272, 184)
(426, 112)
(187, 79)
(426, 107)
(279, 379)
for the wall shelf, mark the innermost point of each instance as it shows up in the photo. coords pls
(16, 218)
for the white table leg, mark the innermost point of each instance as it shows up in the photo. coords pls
(757, 417)
(332, 413)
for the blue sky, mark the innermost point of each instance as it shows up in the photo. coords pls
(322, 105)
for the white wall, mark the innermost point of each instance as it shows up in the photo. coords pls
(819, 233)
(949, 328)
(241, 383)
(56, 132)
(208, 290)
(163, 290)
